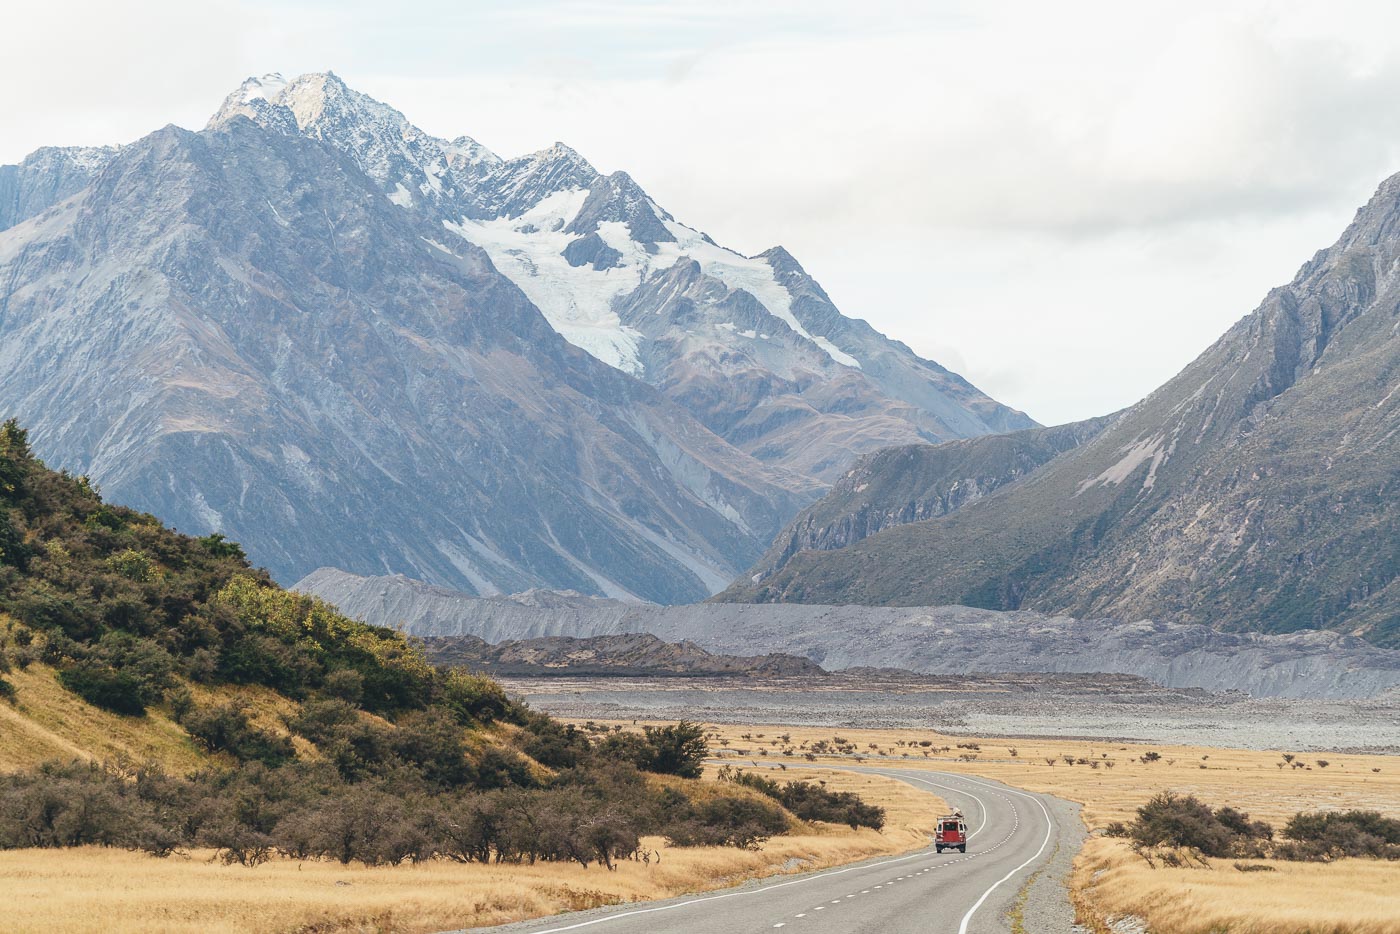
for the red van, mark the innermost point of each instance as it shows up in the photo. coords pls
(951, 834)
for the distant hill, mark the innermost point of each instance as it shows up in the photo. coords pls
(1257, 490)
(625, 654)
(947, 640)
(901, 485)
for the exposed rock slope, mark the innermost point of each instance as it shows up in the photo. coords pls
(751, 346)
(1257, 490)
(930, 640)
(237, 331)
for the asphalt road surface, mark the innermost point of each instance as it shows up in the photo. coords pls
(1013, 834)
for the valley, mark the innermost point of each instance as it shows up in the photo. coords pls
(401, 535)
(1035, 707)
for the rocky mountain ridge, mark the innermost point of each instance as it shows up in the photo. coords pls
(752, 346)
(911, 483)
(235, 330)
(1256, 490)
(928, 640)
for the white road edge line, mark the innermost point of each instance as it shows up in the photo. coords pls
(710, 898)
(812, 878)
(1049, 832)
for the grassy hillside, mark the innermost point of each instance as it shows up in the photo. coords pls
(160, 694)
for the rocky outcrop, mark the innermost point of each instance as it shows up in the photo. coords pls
(1258, 490)
(46, 177)
(625, 655)
(928, 640)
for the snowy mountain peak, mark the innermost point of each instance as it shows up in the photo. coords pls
(466, 151)
(753, 345)
(269, 85)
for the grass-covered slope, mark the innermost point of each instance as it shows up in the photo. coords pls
(163, 694)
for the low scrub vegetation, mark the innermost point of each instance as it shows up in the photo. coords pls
(378, 756)
(809, 801)
(1183, 821)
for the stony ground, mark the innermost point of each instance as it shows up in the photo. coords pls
(1035, 707)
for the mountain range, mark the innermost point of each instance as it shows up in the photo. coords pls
(1258, 490)
(319, 330)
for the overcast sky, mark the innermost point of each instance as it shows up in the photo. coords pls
(1064, 202)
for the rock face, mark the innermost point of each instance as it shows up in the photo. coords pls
(928, 640)
(317, 329)
(1257, 490)
(46, 177)
(236, 330)
(627, 655)
(900, 485)
(751, 346)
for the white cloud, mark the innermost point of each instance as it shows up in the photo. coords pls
(1067, 201)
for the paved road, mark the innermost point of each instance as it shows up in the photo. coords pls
(1013, 834)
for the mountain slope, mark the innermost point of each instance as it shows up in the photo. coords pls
(46, 177)
(1258, 489)
(236, 330)
(752, 346)
(911, 483)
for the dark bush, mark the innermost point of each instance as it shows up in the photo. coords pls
(105, 687)
(1169, 819)
(678, 749)
(1333, 834)
(551, 743)
(725, 821)
(813, 802)
(225, 728)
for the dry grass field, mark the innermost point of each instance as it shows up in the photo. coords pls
(49, 723)
(1246, 779)
(102, 891)
(1111, 881)
(1350, 896)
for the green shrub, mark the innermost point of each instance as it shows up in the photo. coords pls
(1332, 834)
(105, 687)
(678, 749)
(226, 728)
(1168, 819)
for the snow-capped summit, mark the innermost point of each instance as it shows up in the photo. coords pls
(751, 344)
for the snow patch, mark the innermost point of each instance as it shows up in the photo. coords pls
(265, 88)
(401, 196)
(835, 353)
(434, 243)
(578, 300)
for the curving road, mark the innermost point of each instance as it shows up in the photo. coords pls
(1014, 833)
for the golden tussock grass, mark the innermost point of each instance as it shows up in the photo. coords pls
(1346, 897)
(1247, 779)
(98, 891)
(1350, 896)
(48, 722)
